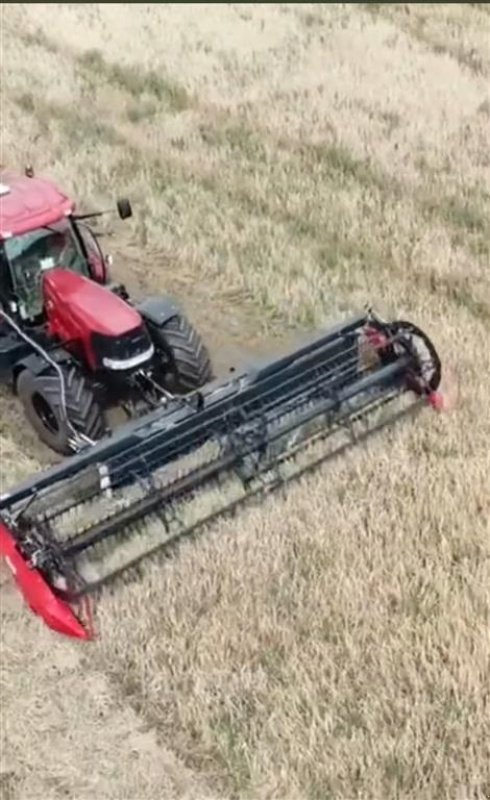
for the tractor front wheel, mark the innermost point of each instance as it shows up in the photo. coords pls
(41, 397)
(185, 361)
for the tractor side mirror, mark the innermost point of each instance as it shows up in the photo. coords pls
(124, 208)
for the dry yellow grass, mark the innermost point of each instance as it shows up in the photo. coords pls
(288, 163)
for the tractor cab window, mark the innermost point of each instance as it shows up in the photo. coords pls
(32, 254)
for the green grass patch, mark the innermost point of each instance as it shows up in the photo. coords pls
(135, 80)
(232, 751)
(484, 108)
(80, 128)
(76, 127)
(311, 19)
(26, 102)
(391, 119)
(339, 163)
(464, 297)
(139, 112)
(417, 24)
(332, 160)
(485, 7)
(455, 289)
(466, 217)
(37, 38)
(235, 135)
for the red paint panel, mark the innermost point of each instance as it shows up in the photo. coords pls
(87, 306)
(37, 593)
(30, 203)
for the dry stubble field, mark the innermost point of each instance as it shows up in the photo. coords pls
(287, 164)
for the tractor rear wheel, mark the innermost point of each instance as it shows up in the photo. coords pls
(186, 363)
(41, 397)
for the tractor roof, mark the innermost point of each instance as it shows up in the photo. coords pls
(28, 203)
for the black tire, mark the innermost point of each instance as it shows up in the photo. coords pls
(186, 364)
(40, 395)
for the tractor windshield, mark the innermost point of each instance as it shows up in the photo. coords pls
(35, 252)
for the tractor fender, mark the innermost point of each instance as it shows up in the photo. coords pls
(37, 365)
(158, 310)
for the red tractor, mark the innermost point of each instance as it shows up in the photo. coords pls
(72, 343)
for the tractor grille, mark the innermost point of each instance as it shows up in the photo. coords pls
(120, 348)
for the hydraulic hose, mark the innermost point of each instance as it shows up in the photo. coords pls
(44, 355)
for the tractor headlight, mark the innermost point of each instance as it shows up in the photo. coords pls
(129, 363)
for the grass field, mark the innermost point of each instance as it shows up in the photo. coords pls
(287, 164)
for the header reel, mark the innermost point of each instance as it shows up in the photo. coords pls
(73, 529)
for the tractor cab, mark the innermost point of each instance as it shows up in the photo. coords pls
(40, 232)
(29, 256)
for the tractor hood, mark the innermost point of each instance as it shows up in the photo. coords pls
(89, 304)
(90, 319)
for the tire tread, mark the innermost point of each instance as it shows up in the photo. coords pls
(189, 353)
